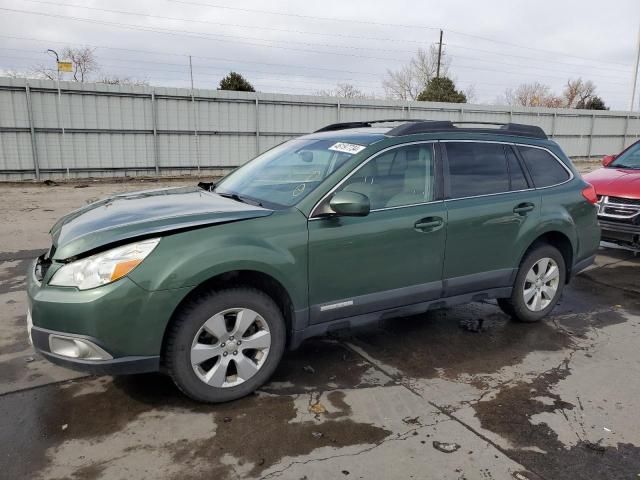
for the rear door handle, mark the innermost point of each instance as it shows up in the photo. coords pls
(523, 208)
(428, 224)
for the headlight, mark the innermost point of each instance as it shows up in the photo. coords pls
(104, 267)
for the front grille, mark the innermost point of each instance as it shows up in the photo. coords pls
(626, 210)
(624, 201)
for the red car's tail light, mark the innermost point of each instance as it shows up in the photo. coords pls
(589, 192)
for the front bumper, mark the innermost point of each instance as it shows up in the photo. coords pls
(121, 319)
(620, 233)
(112, 366)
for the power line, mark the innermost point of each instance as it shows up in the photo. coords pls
(336, 34)
(546, 61)
(191, 34)
(298, 77)
(146, 15)
(253, 27)
(509, 72)
(207, 37)
(396, 25)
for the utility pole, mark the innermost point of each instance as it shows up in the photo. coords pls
(635, 76)
(439, 55)
(195, 117)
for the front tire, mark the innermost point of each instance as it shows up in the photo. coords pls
(225, 344)
(538, 285)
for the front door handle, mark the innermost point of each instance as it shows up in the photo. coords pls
(428, 224)
(523, 208)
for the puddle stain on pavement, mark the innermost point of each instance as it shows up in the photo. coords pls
(433, 345)
(537, 446)
(255, 432)
(313, 367)
(261, 432)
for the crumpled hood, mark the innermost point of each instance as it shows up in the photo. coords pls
(615, 182)
(144, 213)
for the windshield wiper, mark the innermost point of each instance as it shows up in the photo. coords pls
(622, 165)
(238, 198)
(233, 196)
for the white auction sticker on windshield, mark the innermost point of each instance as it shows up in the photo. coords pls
(351, 148)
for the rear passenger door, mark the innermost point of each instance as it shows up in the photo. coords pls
(490, 207)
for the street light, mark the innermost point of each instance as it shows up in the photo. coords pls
(60, 124)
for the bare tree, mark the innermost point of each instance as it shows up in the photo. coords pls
(344, 90)
(83, 60)
(410, 80)
(13, 74)
(531, 95)
(470, 93)
(578, 92)
(116, 80)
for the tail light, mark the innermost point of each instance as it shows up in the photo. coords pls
(589, 192)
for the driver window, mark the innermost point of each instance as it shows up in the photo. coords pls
(402, 176)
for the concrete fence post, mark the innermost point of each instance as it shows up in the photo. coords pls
(156, 147)
(593, 121)
(257, 126)
(34, 148)
(338, 111)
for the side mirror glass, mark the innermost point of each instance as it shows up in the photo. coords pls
(350, 204)
(608, 160)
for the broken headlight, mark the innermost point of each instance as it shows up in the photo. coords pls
(104, 267)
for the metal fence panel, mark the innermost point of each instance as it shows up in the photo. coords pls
(112, 130)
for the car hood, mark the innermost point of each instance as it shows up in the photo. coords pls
(615, 182)
(145, 213)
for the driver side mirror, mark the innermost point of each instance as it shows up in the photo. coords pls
(350, 204)
(608, 160)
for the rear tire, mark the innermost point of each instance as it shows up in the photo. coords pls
(538, 285)
(225, 344)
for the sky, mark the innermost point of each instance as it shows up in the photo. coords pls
(301, 47)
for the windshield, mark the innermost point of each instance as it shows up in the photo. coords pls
(628, 159)
(284, 175)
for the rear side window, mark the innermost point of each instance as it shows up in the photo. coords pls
(477, 169)
(545, 170)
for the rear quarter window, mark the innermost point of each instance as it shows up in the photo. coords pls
(544, 168)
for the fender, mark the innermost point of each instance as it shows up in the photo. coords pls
(190, 258)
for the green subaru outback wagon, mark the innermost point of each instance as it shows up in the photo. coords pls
(343, 227)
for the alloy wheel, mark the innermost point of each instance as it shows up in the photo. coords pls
(541, 284)
(230, 347)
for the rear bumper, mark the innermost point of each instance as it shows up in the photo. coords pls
(113, 366)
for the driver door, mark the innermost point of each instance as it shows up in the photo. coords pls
(394, 256)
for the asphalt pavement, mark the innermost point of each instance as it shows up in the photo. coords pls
(459, 393)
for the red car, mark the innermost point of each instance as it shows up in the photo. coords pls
(618, 188)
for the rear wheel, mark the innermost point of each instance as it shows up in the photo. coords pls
(538, 285)
(225, 344)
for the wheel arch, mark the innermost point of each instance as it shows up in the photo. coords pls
(558, 240)
(240, 278)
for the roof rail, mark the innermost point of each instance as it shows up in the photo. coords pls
(364, 124)
(429, 126)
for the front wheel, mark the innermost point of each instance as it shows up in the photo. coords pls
(538, 285)
(225, 344)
